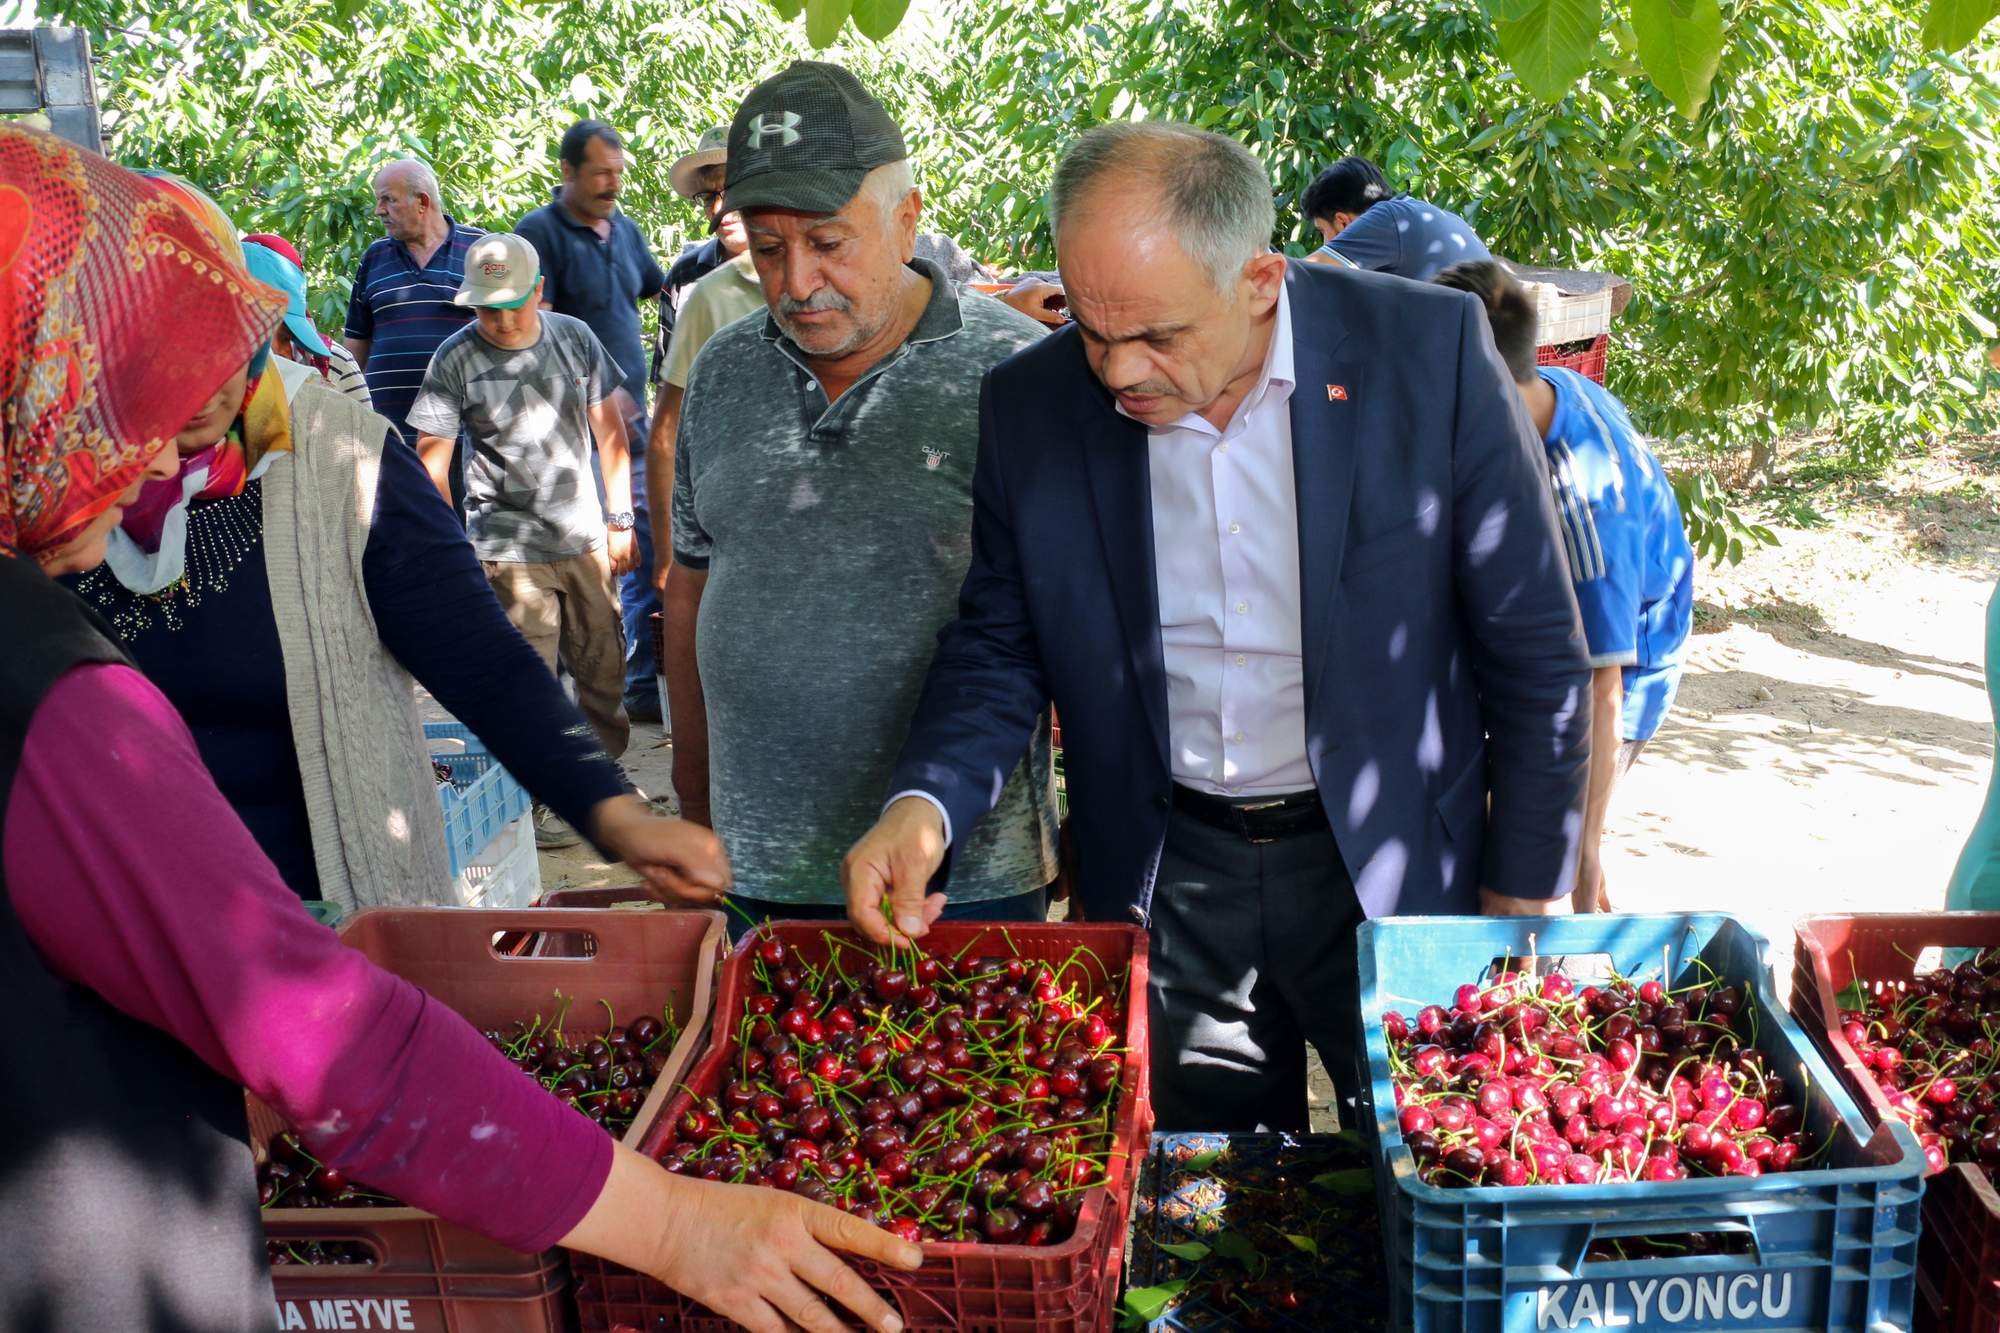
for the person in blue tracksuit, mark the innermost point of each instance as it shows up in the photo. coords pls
(1629, 557)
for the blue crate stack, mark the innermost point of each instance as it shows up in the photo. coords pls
(481, 799)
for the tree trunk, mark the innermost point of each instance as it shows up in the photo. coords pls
(1763, 453)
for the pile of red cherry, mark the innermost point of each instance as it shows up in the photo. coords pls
(947, 1099)
(1933, 1047)
(1532, 1081)
(604, 1077)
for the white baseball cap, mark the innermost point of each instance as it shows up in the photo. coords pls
(501, 270)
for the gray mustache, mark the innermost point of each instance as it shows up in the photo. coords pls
(826, 298)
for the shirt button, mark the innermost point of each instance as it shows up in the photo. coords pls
(812, 386)
(1222, 448)
(1242, 660)
(1162, 801)
(1235, 528)
(1237, 737)
(1243, 608)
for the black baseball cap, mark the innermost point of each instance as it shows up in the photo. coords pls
(804, 138)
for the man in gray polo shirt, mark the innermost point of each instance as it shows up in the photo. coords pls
(822, 517)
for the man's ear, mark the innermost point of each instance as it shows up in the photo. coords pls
(907, 214)
(1266, 274)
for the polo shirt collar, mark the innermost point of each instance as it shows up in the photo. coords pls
(443, 252)
(941, 318)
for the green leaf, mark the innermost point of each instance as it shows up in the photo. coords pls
(1854, 997)
(1680, 42)
(346, 10)
(1191, 1250)
(1303, 1244)
(1201, 1161)
(1148, 1303)
(1951, 24)
(1235, 1246)
(1547, 43)
(1348, 1184)
(878, 18)
(788, 9)
(824, 19)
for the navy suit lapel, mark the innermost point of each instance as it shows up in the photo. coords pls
(1324, 409)
(1121, 489)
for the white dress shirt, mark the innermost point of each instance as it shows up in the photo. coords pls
(1226, 547)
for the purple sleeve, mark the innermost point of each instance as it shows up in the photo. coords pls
(135, 879)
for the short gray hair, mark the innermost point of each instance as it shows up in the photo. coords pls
(889, 184)
(420, 179)
(1209, 189)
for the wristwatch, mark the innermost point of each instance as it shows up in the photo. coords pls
(620, 520)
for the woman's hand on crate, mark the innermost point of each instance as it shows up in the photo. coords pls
(762, 1257)
(679, 860)
(888, 873)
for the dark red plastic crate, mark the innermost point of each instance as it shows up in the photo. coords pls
(1587, 357)
(433, 1274)
(1958, 1261)
(1067, 1288)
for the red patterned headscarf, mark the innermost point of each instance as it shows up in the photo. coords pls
(94, 263)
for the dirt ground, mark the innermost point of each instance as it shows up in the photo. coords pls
(1832, 741)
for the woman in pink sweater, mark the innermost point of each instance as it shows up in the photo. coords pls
(153, 964)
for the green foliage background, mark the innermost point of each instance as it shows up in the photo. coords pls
(1819, 247)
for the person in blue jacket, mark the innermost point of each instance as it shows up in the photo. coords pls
(1629, 556)
(1368, 225)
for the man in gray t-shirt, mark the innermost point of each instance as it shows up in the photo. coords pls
(533, 390)
(822, 518)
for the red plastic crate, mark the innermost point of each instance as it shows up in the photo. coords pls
(1065, 1288)
(1958, 1261)
(1587, 358)
(432, 1273)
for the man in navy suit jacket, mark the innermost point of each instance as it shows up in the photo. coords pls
(1276, 540)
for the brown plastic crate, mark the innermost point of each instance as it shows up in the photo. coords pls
(1958, 1260)
(1071, 1287)
(570, 944)
(463, 1282)
(408, 1288)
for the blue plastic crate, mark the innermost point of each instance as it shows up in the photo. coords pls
(1829, 1249)
(1175, 1204)
(481, 799)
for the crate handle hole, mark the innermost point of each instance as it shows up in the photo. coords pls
(569, 946)
(1619, 1246)
(1582, 968)
(330, 1251)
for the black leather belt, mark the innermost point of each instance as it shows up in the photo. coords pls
(1259, 819)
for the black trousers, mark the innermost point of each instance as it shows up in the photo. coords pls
(1252, 956)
